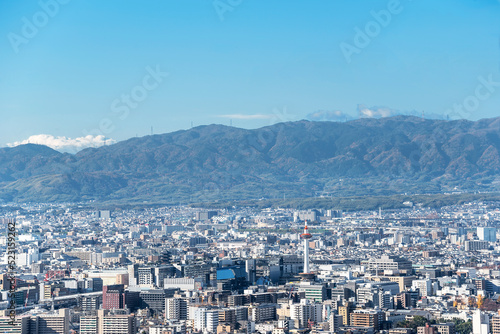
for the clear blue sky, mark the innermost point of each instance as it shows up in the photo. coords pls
(257, 62)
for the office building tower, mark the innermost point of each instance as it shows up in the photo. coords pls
(487, 234)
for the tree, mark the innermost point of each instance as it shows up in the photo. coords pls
(462, 327)
(418, 321)
(480, 301)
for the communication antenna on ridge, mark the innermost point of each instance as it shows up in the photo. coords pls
(230, 122)
(191, 124)
(151, 130)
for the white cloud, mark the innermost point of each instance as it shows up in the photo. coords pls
(65, 144)
(244, 116)
(376, 112)
(379, 112)
(329, 115)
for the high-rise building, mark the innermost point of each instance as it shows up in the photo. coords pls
(4, 282)
(88, 324)
(146, 276)
(116, 321)
(334, 322)
(212, 321)
(367, 318)
(384, 300)
(50, 323)
(113, 296)
(89, 303)
(480, 323)
(345, 312)
(262, 312)
(227, 316)
(104, 214)
(314, 292)
(154, 299)
(475, 245)
(304, 311)
(133, 273)
(176, 309)
(424, 287)
(205, 215)
(161, 273)
(198, 240)
(495, 324)
(205, 319)
(251, 270)
(21, 325)
(487, 234)
(310, 215)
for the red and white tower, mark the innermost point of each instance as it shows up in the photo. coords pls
(307, 274)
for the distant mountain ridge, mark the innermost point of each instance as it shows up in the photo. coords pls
(293, 159)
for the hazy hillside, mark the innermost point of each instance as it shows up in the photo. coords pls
(366, 156)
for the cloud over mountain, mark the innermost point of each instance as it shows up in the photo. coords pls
(329, 115)
(376, 112)
(65, 144)
(383, 111)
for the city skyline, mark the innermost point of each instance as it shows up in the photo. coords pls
(250, 167)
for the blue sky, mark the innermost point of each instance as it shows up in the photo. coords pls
(249, 62)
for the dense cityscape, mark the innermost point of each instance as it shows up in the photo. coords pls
(180, 270)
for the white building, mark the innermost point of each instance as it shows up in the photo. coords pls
(487, 234)
(212, 321)
(424, 286)
(185, 284)
(205, 319)
(480, 323)
(305, 311)
(88, 324)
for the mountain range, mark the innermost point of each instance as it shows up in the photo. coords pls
(401, 154)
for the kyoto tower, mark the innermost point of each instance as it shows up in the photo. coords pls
(307, 274)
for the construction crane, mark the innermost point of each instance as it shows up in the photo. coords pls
(290, 293)
(28, 292)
